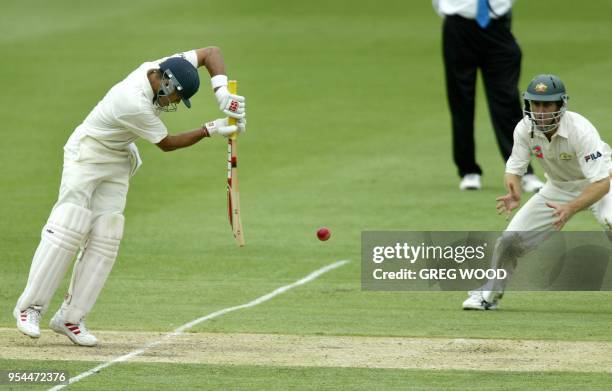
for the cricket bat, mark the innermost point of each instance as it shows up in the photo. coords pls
(233, 195)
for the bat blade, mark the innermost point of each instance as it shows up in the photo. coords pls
(233, 194)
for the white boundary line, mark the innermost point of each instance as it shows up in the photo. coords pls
(312, 276)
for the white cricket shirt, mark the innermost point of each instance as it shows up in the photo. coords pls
(574, 157)
(126, 112)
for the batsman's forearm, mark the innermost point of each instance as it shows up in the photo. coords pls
(186, 139)
(211, 58)
(591, 194)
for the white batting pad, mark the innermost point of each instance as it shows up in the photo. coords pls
(60, 240)
(93, 266)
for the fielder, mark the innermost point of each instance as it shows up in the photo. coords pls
(99, 159)
(577, 166)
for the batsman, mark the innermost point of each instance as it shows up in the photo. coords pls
(100, 157)
(578, 170)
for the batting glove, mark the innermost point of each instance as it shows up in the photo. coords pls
(222, 127)
(232, 105)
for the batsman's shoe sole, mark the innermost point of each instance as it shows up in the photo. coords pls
(76, 333)
(26, 324)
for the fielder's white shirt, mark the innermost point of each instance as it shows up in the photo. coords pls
(467, 8)
(127, 112)
(574, 157)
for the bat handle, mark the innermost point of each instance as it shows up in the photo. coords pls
(232, 87)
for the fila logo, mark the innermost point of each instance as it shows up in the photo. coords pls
(592, 156)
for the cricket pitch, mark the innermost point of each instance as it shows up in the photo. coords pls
(321, 351)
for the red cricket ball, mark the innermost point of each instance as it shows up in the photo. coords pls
(323, 233)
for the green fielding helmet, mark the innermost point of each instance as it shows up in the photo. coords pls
(546, 88)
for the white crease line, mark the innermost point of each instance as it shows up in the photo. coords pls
(195, 322)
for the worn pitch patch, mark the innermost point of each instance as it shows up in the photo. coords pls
(320, 351)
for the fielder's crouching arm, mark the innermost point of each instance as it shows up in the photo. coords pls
(605, 212)
(591, 194)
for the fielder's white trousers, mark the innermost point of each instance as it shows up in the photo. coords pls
(536, 216)
(534, 223)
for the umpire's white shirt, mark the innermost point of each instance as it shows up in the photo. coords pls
(574, 157)
(126, 113)
(467, 8)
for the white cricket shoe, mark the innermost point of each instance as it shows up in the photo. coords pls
(28, 321)
(531, 183)
(470, 182)
(77, 332)
(482, 300)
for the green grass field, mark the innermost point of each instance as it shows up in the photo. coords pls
(348, 128)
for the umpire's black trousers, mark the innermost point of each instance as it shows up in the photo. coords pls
(494, 50)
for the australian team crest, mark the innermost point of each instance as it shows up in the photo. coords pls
(541, 87)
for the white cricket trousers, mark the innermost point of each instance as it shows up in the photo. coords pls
(88, 216)
(534, 223)
(536, 216)
(96, 178)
